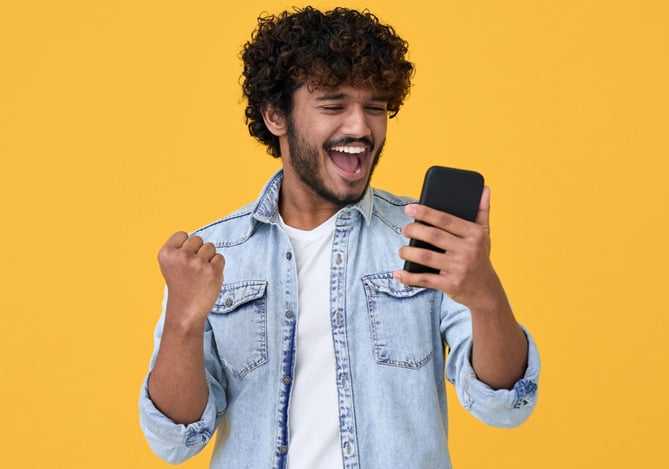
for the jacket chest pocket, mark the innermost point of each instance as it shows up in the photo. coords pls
(400, 320)
(239, 323)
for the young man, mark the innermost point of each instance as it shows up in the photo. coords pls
(316, 351)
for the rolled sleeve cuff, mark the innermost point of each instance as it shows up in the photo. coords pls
(171, 441)
(504, 408)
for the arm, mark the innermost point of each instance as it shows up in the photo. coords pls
(193, 272)
(466, 274)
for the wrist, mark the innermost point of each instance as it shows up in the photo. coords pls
(491, 297)
(184, 321)
(491, 309)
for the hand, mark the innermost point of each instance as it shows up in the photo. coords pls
(193, 272)
(465, 271)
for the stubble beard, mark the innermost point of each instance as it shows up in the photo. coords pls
(305, 162)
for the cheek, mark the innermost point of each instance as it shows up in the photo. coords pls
(316, 138)
(379, 129)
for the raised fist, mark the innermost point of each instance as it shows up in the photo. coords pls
(193, 272)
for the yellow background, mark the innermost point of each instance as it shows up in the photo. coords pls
(122, 122)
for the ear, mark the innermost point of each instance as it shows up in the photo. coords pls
(274, 120)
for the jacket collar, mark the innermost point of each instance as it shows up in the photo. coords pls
(267, 205)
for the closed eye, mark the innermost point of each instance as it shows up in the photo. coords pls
(332, 108)
(377, 109)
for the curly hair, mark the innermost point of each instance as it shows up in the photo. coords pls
(321, 50)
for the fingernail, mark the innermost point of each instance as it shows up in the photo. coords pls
(410, 210)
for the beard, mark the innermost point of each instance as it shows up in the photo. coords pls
(305, 161)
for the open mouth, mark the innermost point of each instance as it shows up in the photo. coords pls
(349, 158)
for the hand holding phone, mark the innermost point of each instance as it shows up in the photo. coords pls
(455, 191)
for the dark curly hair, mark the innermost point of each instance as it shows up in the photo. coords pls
(321, 50)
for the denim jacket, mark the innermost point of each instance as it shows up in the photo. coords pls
(389, 343)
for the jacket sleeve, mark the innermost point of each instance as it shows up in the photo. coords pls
(177, 442)
(502, 407)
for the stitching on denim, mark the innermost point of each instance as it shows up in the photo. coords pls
(375, 289)
(397, 202)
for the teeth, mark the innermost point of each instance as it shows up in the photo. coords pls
(349, 150)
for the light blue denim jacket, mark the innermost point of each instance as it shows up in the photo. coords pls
(389, 342)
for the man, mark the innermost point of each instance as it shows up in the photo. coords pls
(318, 352)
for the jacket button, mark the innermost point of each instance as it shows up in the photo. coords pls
(289, 314)
(289, 255)
(286, 380)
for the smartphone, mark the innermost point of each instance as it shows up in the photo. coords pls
(451, 190)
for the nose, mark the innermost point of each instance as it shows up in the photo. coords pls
(355, 123)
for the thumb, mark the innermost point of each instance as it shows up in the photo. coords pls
(483, 215)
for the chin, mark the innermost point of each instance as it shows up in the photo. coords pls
(350, 196)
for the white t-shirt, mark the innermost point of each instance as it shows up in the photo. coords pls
(313, 415)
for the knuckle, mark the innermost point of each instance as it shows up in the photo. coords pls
(427, 281)
(165, 255)
(445, 218)
(433, 236)
(424, 256)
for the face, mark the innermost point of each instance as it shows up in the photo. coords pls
(334, 139)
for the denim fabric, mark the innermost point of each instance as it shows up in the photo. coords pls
(389, 341)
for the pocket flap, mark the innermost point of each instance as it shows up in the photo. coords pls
(385, 283)
(236, 294)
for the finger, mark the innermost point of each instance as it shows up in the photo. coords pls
(193, 244)
(434, 281)
(176, 240)
(439, 219)
(427, 257)
(207, 251)
(431, 235)
(483, 215)
(218, 261)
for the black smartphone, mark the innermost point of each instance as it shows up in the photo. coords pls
(451, 190)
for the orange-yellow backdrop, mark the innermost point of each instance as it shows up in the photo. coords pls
(121, 122)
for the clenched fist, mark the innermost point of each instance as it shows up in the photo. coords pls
(193, 272)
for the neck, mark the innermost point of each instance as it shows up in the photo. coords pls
(302, 209)
(305, 216)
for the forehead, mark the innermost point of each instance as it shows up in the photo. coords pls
(338, 93)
